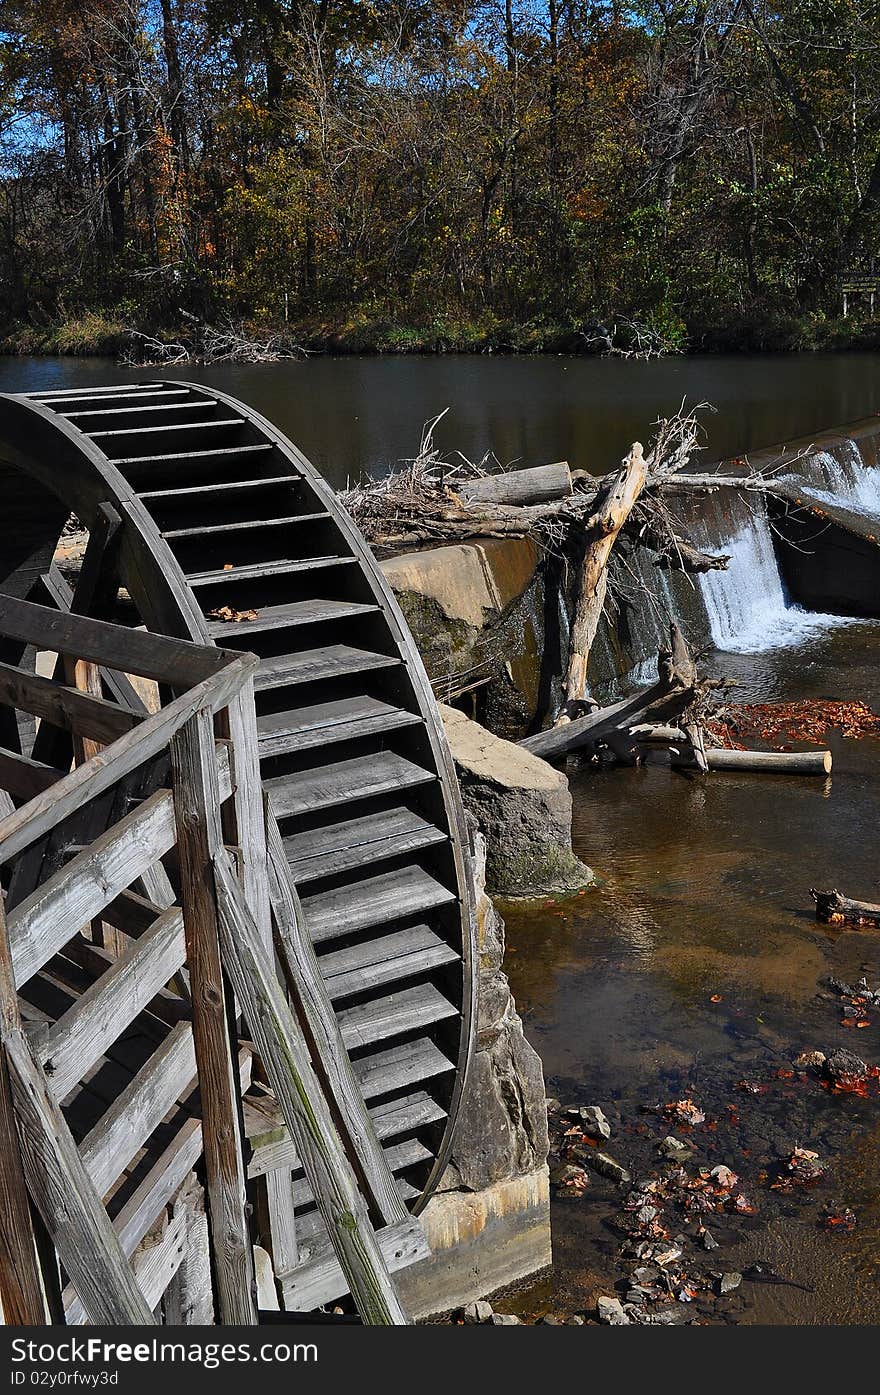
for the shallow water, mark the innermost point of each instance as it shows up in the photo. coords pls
(706, 893)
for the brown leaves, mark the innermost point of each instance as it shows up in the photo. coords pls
(228, 614)
(808, 720)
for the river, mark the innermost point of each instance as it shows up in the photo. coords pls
(696, 963)
(357, 415)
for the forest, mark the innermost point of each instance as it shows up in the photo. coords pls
(438, 174)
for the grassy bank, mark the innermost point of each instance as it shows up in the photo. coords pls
(106, 334)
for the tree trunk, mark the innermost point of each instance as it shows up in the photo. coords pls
(833, 908)
(774, 762)
(600, 533)
(539, 485)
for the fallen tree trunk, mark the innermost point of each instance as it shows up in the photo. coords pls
(539, 485)
(612, 509)
(668, 698)
(833, 908)
(774, 762)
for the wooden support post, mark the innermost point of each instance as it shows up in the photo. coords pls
(21, 1296)
(199, 838)
(285, 1058)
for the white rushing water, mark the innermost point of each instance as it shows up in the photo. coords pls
(841, 477)
(747, 607)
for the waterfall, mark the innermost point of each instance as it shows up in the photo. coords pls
(742, 610)
(841, 476)
(746, 605)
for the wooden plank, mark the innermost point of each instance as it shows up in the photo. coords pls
(197, 809)
(119, 684)
(101, 1015)
(21, 1294)
(311, 665)
(281, 1203)
(374, 723)
(156, 1262)
(292, 613)
(189, 1300)
(302, 977)
(240, 720)
(398, 1013)
(261, 448)
(321, 1280)
(399, 1067)
(77, 892)
(286, 1060)
(341, 847)
(200, 492)
(67, 1201)
(168, 1075)
(177, 662)
(373, 963)
(342, 782)
(168, 429)
(243, 526)
(399, 1156)
(66, 707)
(26, 778)
(107, 768)
(273, 1146)
(374, 901)
(196, 404)
(255, 571)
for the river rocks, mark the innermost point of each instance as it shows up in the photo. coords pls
(728, 1282)
(522, 806)
(610, 1311)
(593, 1121)
(474, 1313)
(673, 1148)
(845, 1070)
(608, 1167)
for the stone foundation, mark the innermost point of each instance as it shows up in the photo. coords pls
(489, 1223)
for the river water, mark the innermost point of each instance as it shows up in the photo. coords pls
(361, 414)
(697, 962)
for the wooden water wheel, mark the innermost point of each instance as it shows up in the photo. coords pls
(220, 530)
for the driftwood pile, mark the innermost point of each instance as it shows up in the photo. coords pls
(432, 501)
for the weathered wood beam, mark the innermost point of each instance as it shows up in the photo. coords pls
(24, 777)
(66, 707)
(285, 1057)
(21, 1293)
(611, 510)
(199, 840)
(537, 485)
(99, 1017)
(105, 769)
(66, 1198)
(177, 662)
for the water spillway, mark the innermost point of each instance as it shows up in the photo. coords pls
(748, 608)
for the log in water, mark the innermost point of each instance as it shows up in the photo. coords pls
(774, 762)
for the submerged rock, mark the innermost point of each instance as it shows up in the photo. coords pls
(594, 1121)
(608, 1167)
